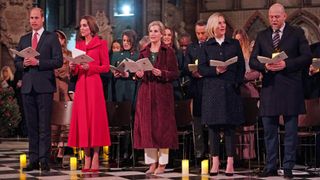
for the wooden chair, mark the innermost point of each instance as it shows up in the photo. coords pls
(250, 110)
(120, 124)
(308, 128)
(60, 121)
(184, 122)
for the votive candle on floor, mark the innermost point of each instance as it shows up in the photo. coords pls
(73, 163)
(23, 160)
(185, 167)
(204, 166)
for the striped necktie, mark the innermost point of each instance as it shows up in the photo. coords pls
(276, 38)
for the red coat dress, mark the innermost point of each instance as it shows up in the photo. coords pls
(155, 124)
(89, 122)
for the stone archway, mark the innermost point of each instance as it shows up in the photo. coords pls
(255, 24)
(308, 22)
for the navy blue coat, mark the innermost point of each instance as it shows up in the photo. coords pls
(282, 92)
(221, 101)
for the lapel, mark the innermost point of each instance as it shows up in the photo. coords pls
(29, 37)
(42, 39)
(286, 33)
(269, 38)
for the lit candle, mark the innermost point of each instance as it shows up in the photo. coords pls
(73, 163)
(105, 157)
(185, 167)
(23, 160)
(204, 166)
(106, 149)
(81, 154)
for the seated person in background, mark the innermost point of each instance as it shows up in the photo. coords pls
(6, 77)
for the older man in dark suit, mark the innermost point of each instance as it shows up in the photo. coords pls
(282, 92)
(38, 85)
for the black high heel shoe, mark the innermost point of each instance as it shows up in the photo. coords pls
(213, 173)
(228, 174)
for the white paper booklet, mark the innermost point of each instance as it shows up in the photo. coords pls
(26, 53)
(224, 63)
(133, 66)
(121, 67)
(316, 62)
(280, 56)
(79, 57)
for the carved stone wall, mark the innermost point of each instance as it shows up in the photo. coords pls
(105, 30)
(255, 20)
(14, 23)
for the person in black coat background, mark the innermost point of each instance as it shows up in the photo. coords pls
(222, 108)
(193, 54)
(38, 85)
(282, 91)
(311, 76)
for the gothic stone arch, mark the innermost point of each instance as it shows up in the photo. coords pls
(308, 22)
(255, 23)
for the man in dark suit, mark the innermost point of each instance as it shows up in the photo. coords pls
(38, 85)
(193, 54)
(282, 92)
(311, 76)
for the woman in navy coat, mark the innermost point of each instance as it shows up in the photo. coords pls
(221, 101)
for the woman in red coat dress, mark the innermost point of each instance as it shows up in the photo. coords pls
(155, 125)
(89, 123)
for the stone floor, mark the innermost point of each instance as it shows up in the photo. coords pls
(10, 169)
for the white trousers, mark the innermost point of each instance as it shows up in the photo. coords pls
(153, 155)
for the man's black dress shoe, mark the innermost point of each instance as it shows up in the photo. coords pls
(287, 174)
(31, 167)
(213, 173)
(44, 167)
(267, 173)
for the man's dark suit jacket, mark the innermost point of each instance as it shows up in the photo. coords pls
(282, 92)
(195, 88)
(41, 78)
(312, 83)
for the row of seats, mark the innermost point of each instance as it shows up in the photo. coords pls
(119, 115)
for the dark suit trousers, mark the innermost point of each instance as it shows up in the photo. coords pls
(199, 137)
(270, 126)
(214, 138)
(37, 110)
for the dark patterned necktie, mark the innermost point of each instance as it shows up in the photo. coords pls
(276, 38)
(35, 41)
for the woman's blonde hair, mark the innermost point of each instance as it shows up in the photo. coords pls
(8, 69)
(212, 23)
(244, 42)
(157, 23)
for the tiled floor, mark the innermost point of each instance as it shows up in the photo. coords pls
(10, 169)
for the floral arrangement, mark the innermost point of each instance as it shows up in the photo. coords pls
(10, 116)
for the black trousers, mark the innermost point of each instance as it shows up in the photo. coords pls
(214, 138)
(37, 110)
(199, 137)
